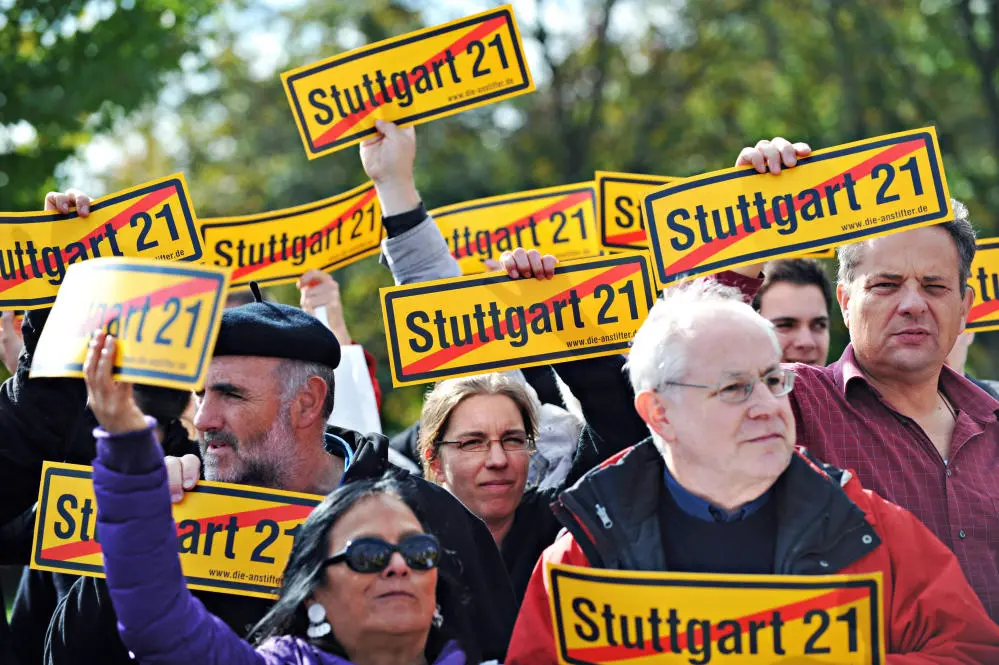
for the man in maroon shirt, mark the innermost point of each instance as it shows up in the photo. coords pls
(915, 431)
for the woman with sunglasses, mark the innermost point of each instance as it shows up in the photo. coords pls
(361, 584)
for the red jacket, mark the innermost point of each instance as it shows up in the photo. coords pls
(931, 613)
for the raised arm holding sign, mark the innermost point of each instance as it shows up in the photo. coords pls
(738, 216)
(414, 78)
(154, 221)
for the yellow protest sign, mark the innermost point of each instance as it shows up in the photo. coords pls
(277, 247)
(612, 616)
(165, 316)
(855, 191)
(232, 538)
(468, 325)
(555, 220)
(155, 220)
(620, 203)
(411, 79)
(828, 253)
(984, 313)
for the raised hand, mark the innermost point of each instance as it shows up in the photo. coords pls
(65, 201)
(111, 401)
(523, 263)
(388, 161)
(319, 289)
(772, 155)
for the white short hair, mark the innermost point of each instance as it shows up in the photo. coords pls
(659, 352)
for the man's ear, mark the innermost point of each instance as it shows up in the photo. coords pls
(843, 298)
(653, 410)
(968, 300)
(308, 403)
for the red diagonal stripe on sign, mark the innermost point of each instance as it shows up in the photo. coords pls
(982, 310)
(191, 287)
(558, 206)
(247, 518)
(631, 236)
(862, 170)
(240, 273)
(341, 127)
(444, 356)
(791, 612)
(116, 222)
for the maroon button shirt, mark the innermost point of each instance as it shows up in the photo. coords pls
(842, 419)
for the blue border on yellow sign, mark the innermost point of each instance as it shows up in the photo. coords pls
(282, 215)
(975, 325)
(521, 199)
(219, 584)
(805, 584)
(206, 353)
(649, 292)
(353, 136)
(602, 223)
(844, 238)
(56, 217)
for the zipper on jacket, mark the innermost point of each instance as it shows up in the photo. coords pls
(604, 517)
(570, 514)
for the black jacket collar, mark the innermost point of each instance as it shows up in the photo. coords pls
(613, 514)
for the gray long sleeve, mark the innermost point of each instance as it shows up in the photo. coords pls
(419, 255)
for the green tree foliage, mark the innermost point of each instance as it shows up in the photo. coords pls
(660, 86)
(69, 68)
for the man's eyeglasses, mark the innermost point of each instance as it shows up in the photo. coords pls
(421, 551)
(734, 389)
(512, 443)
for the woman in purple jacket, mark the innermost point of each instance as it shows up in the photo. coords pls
(361, 585)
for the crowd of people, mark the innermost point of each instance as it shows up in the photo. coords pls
(722, 443)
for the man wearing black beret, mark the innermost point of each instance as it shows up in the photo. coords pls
(261, 420)
(262, 416)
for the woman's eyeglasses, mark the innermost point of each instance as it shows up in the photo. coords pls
(421, 551)
(512, 443)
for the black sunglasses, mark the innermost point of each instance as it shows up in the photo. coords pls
(420, 551)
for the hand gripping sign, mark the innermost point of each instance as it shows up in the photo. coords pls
(155, 220)
(556, 220)
(612, 616)
(468, 325)
(411, 79)
(856, 191)
(232, 538)
(165, 316)
(620, 203)
(984, 313)
(277, 247)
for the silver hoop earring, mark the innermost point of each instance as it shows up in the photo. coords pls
(438, 619)
(318, 626)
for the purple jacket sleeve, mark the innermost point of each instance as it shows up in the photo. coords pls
(158, 618)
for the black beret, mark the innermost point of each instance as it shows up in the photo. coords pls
(275, 330)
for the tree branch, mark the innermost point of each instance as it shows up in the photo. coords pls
(602, 64)
(987, 63)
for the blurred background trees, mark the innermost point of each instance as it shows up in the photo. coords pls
(105, 95)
